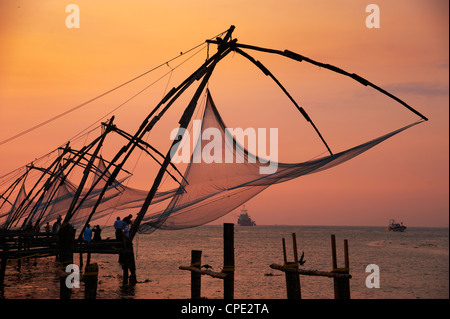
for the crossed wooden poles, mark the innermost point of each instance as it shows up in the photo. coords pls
(341, 276)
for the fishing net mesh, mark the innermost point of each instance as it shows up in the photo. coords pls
(208, 191)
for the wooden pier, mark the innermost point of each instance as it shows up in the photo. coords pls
(20, 245)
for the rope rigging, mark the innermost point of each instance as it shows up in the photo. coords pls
(99, 96)
(212, 191)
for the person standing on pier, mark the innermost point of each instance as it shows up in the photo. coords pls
(127, 219)
(119, 226)
(87, 235)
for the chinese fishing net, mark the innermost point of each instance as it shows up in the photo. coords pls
(208, 191)
(217, 188)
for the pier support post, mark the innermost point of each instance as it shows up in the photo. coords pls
(293, 288)
(196, 280)
(3, 268)
(341, 285)
(90, 281)
(292, 282)
(228, 260)
(128, 263)
(66, 241)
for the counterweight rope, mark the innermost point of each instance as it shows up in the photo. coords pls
(98, 96)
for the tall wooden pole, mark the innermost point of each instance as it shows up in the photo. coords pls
(333, 251)
(146, 126)
(196, 280)
(4, 255)
(228, 260)
(184, 122)
(347, 261)
(293, 289)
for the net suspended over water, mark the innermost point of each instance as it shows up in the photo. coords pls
(210, 187)
(216, 188)
(209, 190)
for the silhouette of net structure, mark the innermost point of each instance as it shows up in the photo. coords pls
(208, 191)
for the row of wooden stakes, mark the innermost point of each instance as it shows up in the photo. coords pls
(341, 276)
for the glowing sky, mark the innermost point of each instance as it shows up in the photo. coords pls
(47, 68)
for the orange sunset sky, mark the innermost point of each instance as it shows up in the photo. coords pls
(47, 68)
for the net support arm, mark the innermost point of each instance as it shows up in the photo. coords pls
(144, 147)
(184, 121)
(299, 108)
(356, 77)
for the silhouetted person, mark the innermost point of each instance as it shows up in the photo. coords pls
(126, 231)
(97, 233)
(127, 219)
(87, 235)
(37, 227)
(119, 225)
(56, 225)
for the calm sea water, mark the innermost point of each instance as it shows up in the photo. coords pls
(413, 264)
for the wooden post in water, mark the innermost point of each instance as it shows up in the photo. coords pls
(128, 262)
(81, 260)
(284, 251)
(228, 260)
(333, 251)
(341, 285)
(293, 288)
(66, 241)
(90, 281)
(3, 268)
(196, 280)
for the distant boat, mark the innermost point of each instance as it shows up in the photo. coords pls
(394, 226)
(244, 219)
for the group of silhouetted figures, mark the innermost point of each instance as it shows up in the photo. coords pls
(88, 232)
(29, 228)
(122, 227)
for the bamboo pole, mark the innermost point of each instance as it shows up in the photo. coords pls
(208, 272)
(228, 260)
(196, 278)
(347, 261)
(294, 246)
(91, 281)
(341, 283)
(3, 267)
(293, 288)
(306, 272)
(66, 246)
(184, 122)
(333, 251)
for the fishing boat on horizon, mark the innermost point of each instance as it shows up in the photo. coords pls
(244, 219)
(395, 227)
